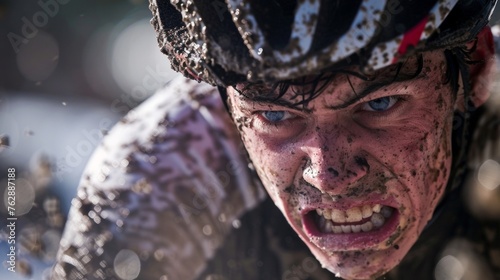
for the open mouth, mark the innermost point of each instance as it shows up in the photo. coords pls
(353, 220)
(353, 228)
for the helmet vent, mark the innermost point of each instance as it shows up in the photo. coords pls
(221, 28)
(275, 19)
(334, 20)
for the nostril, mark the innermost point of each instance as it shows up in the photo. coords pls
(333, 171)
(361, 161)
(306, 162)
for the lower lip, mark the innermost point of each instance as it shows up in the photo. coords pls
(350, 241)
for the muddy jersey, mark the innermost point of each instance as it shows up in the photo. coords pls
(170, 194)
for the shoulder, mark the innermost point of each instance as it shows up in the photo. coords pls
(163, 187)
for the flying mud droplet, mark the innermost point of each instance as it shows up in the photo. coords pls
(449, 268)
(489, 174)
(236, 224)
(207, 230)
(127, 264)
(142, 186)
(4, 142)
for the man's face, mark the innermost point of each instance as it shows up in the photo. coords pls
(358, 181)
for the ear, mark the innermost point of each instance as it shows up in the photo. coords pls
(481, 74)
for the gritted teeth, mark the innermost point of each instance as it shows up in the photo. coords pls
(367, 218)
(355, 214)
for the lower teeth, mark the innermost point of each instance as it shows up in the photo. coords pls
(356, 228)
(346, 229)
(327, 227)
(367, 226)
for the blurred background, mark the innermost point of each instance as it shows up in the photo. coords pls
(69, 70)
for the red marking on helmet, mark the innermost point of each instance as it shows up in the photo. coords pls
(411, 38)
(196, 77)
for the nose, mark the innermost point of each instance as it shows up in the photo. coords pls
(333, 162)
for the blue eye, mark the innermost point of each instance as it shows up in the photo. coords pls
(273, 116)
(380, 104)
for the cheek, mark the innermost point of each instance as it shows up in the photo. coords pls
(273, 166)
(269, 161)
(278, 167)
(426, 167)
(436, 156)
(418, 154)
(436, 168)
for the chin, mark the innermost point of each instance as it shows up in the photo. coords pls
(360, 255)
(359, 265)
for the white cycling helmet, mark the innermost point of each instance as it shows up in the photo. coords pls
(224, 43)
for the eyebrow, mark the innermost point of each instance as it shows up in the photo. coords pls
(374, 86)
(273, 102)
(370, 86)
(369, 89)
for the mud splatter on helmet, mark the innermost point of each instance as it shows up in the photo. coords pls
(223, 43)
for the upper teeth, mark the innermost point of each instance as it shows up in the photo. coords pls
(354, 214)
(338, 221)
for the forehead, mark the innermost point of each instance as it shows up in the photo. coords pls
(348, 85)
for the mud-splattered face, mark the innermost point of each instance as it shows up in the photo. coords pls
(358, 182)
